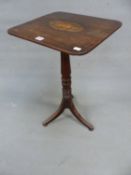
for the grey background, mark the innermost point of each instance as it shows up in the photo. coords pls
(30, 90)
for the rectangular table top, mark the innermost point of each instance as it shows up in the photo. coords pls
(66, 32)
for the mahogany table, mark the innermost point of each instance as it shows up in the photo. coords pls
(71, 34)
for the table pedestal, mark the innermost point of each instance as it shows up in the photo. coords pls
(67, 100)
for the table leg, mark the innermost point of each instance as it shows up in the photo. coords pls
(67, 101)
(80, 118)
(55, 114)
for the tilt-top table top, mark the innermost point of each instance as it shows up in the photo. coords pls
(66, 32)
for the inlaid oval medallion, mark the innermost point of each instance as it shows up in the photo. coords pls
(66, 26)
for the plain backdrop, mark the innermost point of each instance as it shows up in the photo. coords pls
(30, 91)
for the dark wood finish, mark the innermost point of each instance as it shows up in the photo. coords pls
(64, 31)
(71, 34)
(67, 100)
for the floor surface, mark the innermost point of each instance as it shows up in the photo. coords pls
(30, 90)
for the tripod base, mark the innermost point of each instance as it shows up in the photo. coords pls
(67, 101)
(74, 111)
